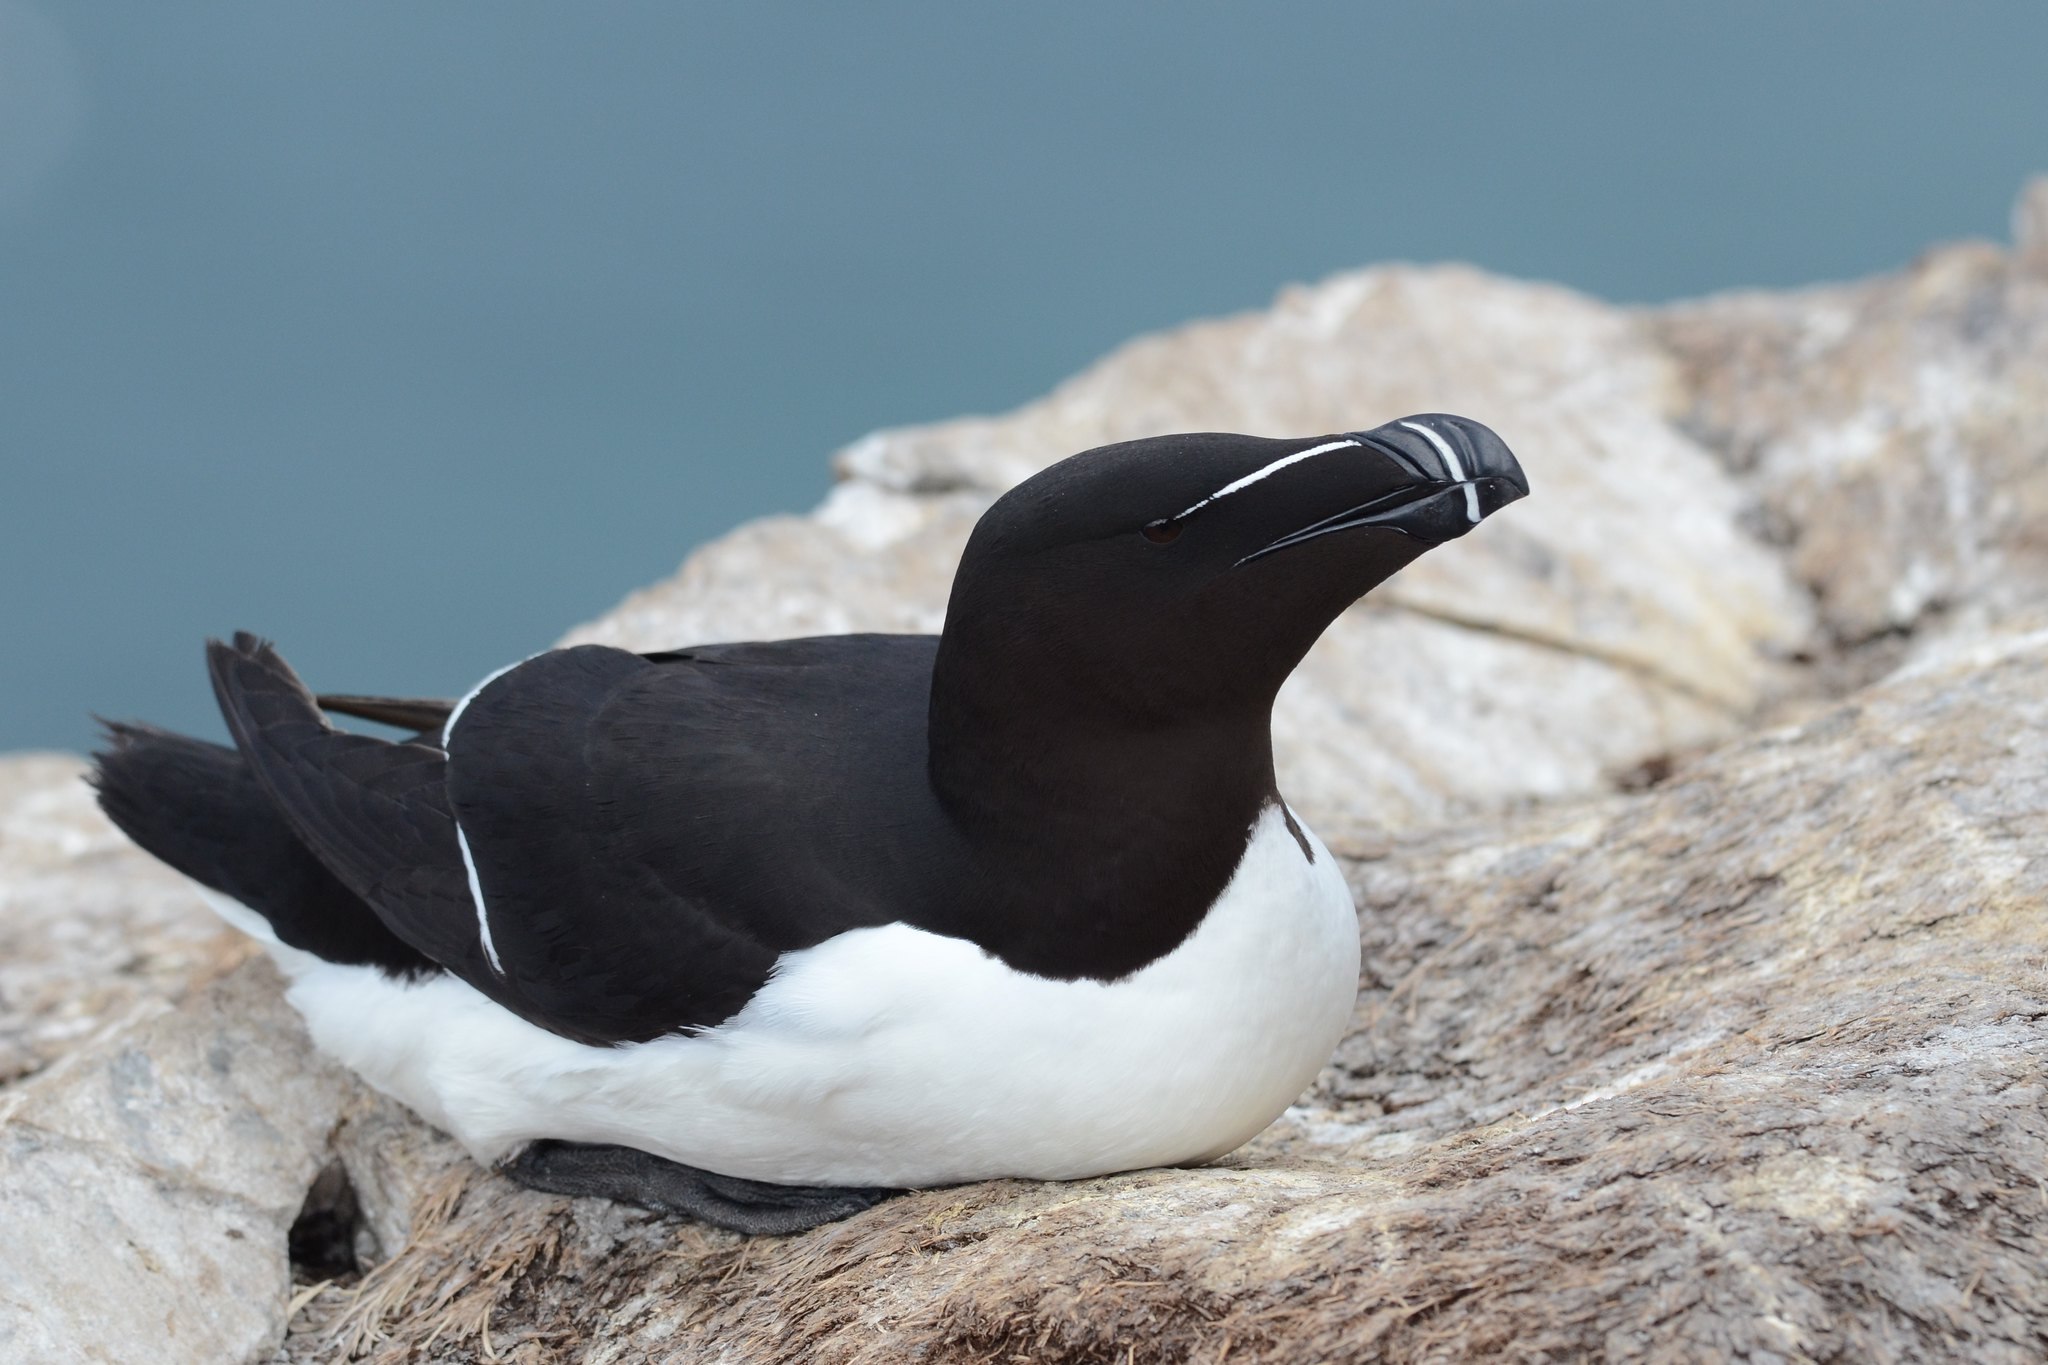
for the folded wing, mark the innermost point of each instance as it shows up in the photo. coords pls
(613, 846)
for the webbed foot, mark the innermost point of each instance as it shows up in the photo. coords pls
(651, 1182)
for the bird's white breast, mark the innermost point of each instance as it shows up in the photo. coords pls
(893, 1056)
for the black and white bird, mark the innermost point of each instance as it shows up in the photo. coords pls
(764, 932)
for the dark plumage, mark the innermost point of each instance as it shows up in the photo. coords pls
(197, 807)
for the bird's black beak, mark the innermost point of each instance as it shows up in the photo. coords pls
(1454, 474)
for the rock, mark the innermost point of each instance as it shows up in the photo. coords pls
(395, 1165)
(1618, 615)
(1894, 431)
(148, 1180)
(93, 932)
(1754, 1064)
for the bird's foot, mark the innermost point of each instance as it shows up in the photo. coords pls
(651, 1182)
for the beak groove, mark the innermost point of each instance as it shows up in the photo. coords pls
(1462, 473)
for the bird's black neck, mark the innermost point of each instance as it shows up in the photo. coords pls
(1104, 834)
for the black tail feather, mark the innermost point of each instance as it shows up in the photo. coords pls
(423, 715)
(198, 808)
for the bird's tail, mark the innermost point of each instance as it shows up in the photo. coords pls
(198, 808)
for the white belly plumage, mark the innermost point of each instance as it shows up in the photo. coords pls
(892, 1056)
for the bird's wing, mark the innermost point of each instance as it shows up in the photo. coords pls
(376, 814)
(613, 847)
(650, 835)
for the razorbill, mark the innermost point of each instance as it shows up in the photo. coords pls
(763, 932)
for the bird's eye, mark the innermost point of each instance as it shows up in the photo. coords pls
(1162, 532)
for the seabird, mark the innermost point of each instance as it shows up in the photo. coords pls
(762, 933)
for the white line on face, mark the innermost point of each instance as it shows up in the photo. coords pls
(1451, 463)
(1248, 480)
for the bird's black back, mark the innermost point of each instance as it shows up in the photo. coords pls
(651, 834)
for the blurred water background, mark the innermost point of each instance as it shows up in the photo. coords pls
(412, 334)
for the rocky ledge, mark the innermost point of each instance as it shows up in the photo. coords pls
(1697, 815)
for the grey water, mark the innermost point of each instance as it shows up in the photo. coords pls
(410, 334)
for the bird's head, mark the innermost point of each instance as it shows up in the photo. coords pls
(1170, 579)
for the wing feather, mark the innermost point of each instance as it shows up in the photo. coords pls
(649, 834)
(376, 814)
(653, 834)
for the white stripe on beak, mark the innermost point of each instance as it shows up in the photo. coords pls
(1452, 463)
